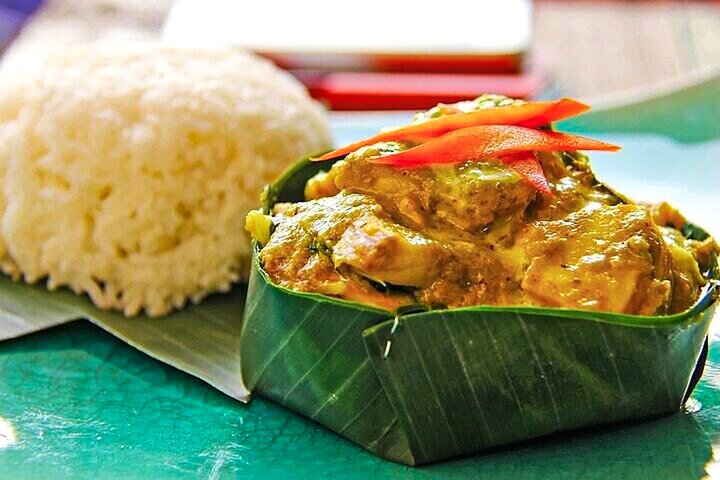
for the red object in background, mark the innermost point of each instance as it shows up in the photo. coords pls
(410, 91)
(400, 62)
(486, 63)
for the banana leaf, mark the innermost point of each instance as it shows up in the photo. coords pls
(202, 340)
(417, 387)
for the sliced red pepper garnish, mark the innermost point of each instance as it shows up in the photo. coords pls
(529, 167)
(530, 114)
(488, 141)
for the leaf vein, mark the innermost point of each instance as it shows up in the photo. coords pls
(280, 348)
(373, 443)
(322, 357)
(611, 356)
(501, 362)
(362, 410)
(430, 382)
(342, 387)
(536, 357)
(467, 378)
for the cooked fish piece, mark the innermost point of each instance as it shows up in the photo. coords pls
(611, 258)
(666, 215)
(335, 245)
(387, 252)
(687, 277)
(689, 257)
(476, 275)
(467, 197)
(574, 187)
(321, 185)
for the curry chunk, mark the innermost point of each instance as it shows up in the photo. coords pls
(687, 259)
(335, 245)
(389, 253)
(573, 185)
(467, 197)
(474, 276)
(666, 215)
(611, 258)
(321, 185)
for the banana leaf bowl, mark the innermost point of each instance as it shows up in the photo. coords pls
(420, 386)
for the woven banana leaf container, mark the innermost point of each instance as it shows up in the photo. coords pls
(418, 387)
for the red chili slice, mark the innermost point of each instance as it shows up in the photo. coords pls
(529, 167)
(530, 114)
(488, 141)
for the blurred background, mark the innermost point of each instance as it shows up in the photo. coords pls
(380, 56)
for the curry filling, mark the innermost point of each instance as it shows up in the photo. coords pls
(476, 233)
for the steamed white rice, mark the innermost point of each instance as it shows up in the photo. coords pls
(126, 173)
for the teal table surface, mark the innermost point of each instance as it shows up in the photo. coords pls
(77, 403)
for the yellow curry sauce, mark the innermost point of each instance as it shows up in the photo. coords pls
(477, 234)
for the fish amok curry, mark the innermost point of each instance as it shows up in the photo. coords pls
(480, 214)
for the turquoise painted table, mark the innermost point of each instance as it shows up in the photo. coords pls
(77, 403)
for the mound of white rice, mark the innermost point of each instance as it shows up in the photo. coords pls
(127, 173)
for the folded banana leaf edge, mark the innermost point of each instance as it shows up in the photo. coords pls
(421, 386)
